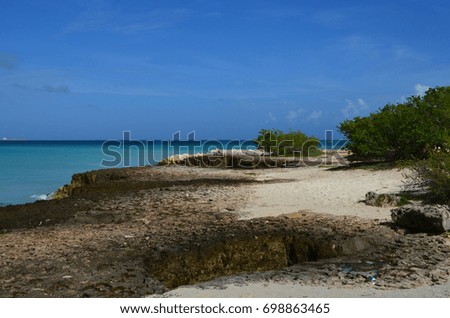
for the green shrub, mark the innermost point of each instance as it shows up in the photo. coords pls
(433, 174)
(410, 130)
(293, 142)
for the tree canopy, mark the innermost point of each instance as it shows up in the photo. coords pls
(410, 130)
(293, 142)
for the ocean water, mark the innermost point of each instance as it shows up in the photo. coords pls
(32, 170)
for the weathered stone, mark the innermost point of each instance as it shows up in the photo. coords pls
(423, 218)
(381, 200)
(229, 159)
(78, 180)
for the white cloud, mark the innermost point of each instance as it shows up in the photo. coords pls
(362, 104)
(272, 117)
(293, 114)
(315, 115)
(421, 89)
(352, 109)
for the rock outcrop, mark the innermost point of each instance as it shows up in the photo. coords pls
(249, 246)
(254, 159)
(78, 180)
(423, 218)
(238, 159)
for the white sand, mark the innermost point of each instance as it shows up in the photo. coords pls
(289, 290)
(319, 190)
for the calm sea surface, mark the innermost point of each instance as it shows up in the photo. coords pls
(31, 170)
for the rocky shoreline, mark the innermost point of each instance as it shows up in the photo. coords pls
(141, 231)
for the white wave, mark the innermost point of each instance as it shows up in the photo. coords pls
(40, 197)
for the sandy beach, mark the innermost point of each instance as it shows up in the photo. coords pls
(320, 190)
(268, 289)
(316, 190)
(205, 232)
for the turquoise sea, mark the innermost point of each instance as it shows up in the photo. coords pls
(31, 170)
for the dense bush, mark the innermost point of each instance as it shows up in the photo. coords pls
(289, 143)
(410, 130)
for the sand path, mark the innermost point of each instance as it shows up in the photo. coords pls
(320, 190)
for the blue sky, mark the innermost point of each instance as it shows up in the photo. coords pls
(92, 69)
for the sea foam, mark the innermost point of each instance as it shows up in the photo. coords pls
(41, 197)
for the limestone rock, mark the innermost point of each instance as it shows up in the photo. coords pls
(78, 180)
(423, 218)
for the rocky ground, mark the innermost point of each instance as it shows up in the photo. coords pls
(142, 231)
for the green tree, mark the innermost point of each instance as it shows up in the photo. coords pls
(293, 142)
(410, 130)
